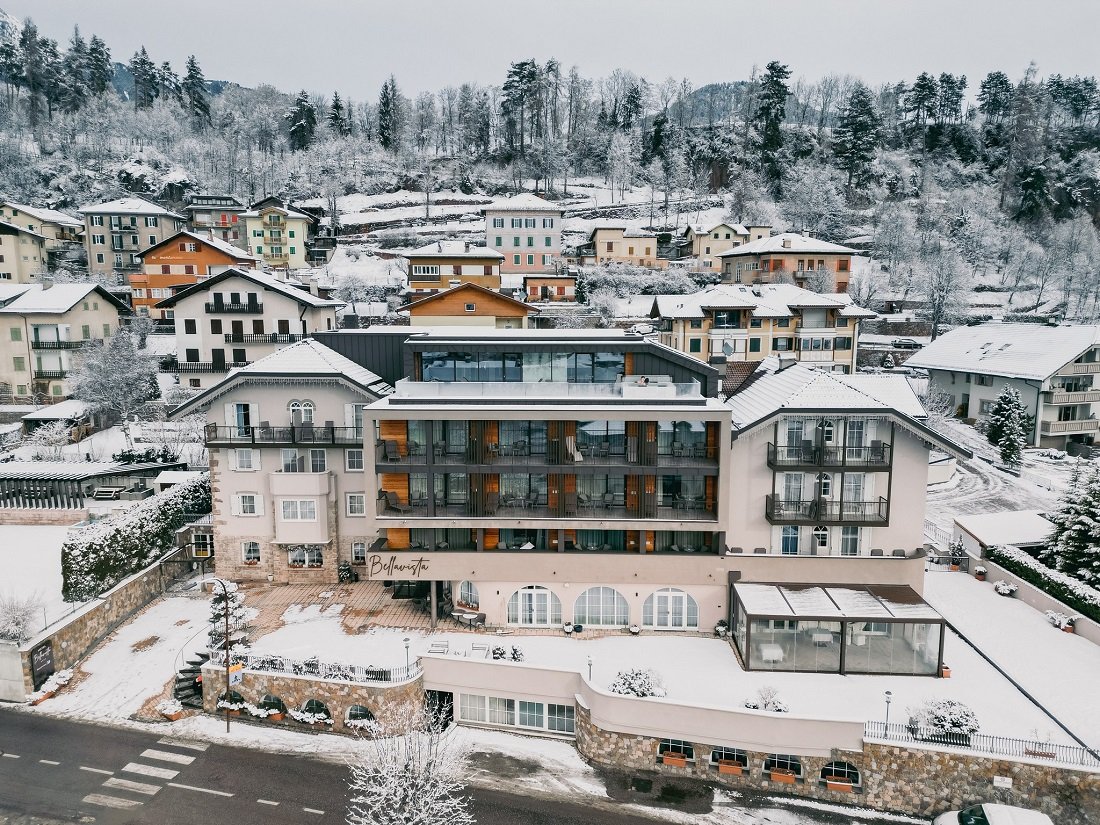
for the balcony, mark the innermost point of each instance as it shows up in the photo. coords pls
(1081, 427)
(59, 344)
(568, 505)
(46, 375)
(293, 434)
(554, 453)
(1079, 397)
(208, 366)
(262, 338)
(256, 308)
(1085, 368)
(824, 511)
(876, 456)
(273, 258)
(658, 391)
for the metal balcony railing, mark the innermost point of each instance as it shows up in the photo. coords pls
(59, 344)
(245, 308)
(290, 434)
(782, 456)
(262, 338)
(825, 511)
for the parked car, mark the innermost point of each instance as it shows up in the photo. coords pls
(905, 343)
(643, 329)
(992, 813)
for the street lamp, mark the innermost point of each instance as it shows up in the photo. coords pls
(225, 593)
(406, 655)
(589, 668)
(889, 698)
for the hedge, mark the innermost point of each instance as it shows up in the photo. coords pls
(1066, 589)
(97, 556)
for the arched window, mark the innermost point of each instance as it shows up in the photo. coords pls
(824, 485)
(301, 411)
(274, 703)
(316, 706)
(821, 537)
(670, 609)
(604, 606)
(534, 605)
(467, 594)
(729, 755)
(232, 697)
(783, 763)
(360, 717)
(842, 772)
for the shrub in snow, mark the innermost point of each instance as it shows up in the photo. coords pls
(517, 654)
(1078, 595)
(1008, 426)
(238, 618)
(637, 682)
(307, 718)
(946, 716)
(1004, 588)
(980, 570)
(767, 698)
(169, 707)
(225, 704)
(16, 615)
(52, 684)
(1073, 548)
(97, 556)
(1060, 620)
(370, 725)
(257, 710)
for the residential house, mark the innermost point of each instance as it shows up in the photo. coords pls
(56, 227)
(611, 244)
(526, 230)
(730, 322)
(22, 254)
(546, 287)
(705, 242)
(217, 216)
(1053, 368)
(278, 233)
(46, 326)
(469, 305)
(805, 261)
(444, 264)
(238, 316)
(118, 231)
(1026, 529)
(183, 259)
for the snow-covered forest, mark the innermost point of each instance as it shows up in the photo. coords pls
(955, 183)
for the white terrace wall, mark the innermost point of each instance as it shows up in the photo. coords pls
(12, 688)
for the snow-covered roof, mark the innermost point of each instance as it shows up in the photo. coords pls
(525, 202)
(289, 211)
(73, 408)
(764, 300)
(11, 291)
(307, 357)
(787, 242)
(45, 215)
(1034, 351)
(132, 205)
(633, 306)
(224, 247)
(853, 602)
(57, 299)
(893, 390)
(706, 229)
(454, 249)
(22, 230)
(176, 476)
(291, 289)
(1017, 527)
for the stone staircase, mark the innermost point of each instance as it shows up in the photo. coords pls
(188, 687)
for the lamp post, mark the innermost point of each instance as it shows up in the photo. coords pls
(589, 668)
(889, 698)
(406, 656)
(225, 593)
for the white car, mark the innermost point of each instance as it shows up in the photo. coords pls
(992, 813)
(643, 329)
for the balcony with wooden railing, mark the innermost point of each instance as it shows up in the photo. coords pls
(1074, 396)
(1080, 427)
(59, 344)
(1080, 368)
(247, 308)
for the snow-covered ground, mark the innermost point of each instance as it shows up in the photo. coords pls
(30, 556)
(1061, 670)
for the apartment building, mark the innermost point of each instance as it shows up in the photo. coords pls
(526, 230)
(118, 231)
(705, 242)
(183, 259)
(22, 254)
(47, 325)
(441, 265)
(217, 216)
(1053, 368)
(56, 227)
(469, 305)
(278, 233)
(792, 257)
(238, 316)
(611, 244)
(729, 323)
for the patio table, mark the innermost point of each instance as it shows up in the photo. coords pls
(822, 638)
(771, 653)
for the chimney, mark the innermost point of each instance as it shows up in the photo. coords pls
(467, 246)
(786, 359)
(439, 246)
(786, 243)
(313, 290)
(46, 283)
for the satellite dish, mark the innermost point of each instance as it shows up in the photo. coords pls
(727, 348)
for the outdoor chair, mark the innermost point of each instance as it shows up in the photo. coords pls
(899, 553)
(392, 453)
(737, 549)
(393, 503)
(760, 550)
(876, 551)
(492, 503)
(532, 499)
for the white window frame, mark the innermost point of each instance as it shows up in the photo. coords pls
(348, 460)
(358, 552)
(247, 547)
(297, 509)
(247, 465)
(356, 502)
(249, 505)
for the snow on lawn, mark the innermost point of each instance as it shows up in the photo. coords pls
(1061, 670)
(30, 557)
(129, 668)
(694, 670)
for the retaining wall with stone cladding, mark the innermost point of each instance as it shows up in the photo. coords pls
(58, 517)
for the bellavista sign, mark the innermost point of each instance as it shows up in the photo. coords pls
(396, 567)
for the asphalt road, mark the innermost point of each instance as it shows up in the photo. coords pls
(56, 771)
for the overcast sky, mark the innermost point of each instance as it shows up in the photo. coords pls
(352, 45)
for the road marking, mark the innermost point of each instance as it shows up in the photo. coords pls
(97, 770)
(151, 770)
(312, 811)
(200, 790)
(182, 743)
(266, 802)
(110, 801)
(166, 756)
(128, 785)
(48, 762)
(10, 755)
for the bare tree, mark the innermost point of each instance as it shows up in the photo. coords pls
(116, 377)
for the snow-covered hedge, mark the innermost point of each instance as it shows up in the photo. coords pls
(1066, 589)
(98, 556)
(637, 683)
(169, 707)
(946, 716)
(307, 718)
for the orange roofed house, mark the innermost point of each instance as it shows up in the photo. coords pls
(469, 305)
(182, 260)
(807, 262)
(444, 264)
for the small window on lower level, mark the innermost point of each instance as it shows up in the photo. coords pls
(471, 307)
(727, 755)
(783, 763)
(674, 747)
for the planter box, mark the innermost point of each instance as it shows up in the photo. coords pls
(945, 673)
(1067, 629)
(42, 698)
(730, 768)
(676, 760)
(172, 717)
(1039, 754)
(980, 576)
(275, 717)
(782, 775)
(838, 783)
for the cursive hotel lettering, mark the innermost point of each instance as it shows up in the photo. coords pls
(389, 567)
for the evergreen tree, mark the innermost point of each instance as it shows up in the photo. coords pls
(389, 116)
(1036, 200)
(101, 70)
(771, 109)
(74, 75)
(302, 120)
(922, 102)
(857, 136)
(194, 92)
(995, 97)
(168, 84)
(1075, 545)
(51, 74)
(145, 76)
(33, 72)
(338, 116)
(1008, 426)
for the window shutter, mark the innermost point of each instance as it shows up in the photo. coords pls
(230, 418)
(235, 505)
(349, 415)
(183, 247)
(233, 463)
(253, 415)
(259, 504)
(256, 459)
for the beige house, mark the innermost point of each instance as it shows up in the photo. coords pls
(43, 327)
(22, 254)
(217, 216)
(239, 316)
(705, 242)
(791, 257)
(442, 265)
(56, 227)
(729, 322)
(616, 244)
(117, 232)
(526, 230)
(278, 233)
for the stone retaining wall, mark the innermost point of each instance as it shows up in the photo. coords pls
(59, 517)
